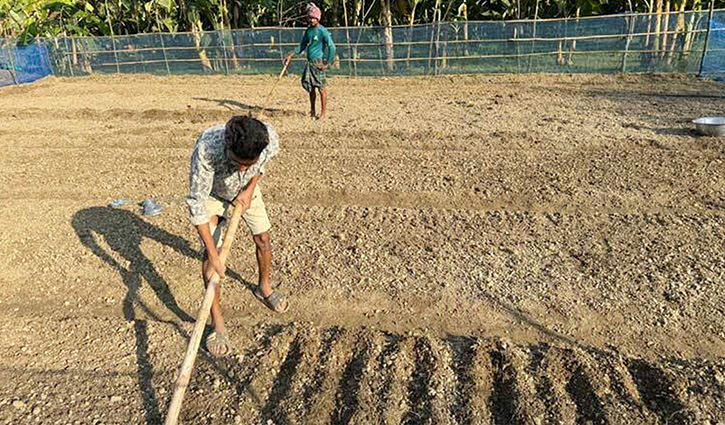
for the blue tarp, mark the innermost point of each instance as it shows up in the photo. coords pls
(713, 62)
(27, 63)
(31, 63)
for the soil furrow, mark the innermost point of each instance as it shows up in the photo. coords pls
(661, 393)
(295, 403)
(348, 394)
(618, 404)
(372, 380)
(589, 406)
(513, 399)
(557, 372)
(420, 393)
(323, 400)
(463, 350)
(482, 376)
(253, 396)
(545, 390)
(443, 383)
(400, 364)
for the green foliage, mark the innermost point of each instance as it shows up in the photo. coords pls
(28, 19)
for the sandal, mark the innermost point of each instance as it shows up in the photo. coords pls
(214, 343)
(275, 301)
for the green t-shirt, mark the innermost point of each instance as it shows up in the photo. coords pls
(316, 40)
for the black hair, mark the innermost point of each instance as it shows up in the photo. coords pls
(246, 137)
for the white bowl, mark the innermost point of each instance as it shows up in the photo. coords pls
(710, 126)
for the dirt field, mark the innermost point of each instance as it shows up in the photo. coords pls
(491, 249)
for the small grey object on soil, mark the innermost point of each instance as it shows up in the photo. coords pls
(117, 203)
(151, 208)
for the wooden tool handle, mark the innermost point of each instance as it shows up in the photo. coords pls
(229, 235)
(182, 382)
(284, 68)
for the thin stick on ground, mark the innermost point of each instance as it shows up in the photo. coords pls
(182, 382)
(269, 95)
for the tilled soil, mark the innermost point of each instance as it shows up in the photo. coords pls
(479, 249)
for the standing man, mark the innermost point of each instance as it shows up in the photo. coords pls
(226, 166)
(316, 41)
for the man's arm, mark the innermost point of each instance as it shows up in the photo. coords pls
(301, 48)
(331, 49)
(244, 198)
(201, 178)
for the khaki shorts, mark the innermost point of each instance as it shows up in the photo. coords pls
(255, 216)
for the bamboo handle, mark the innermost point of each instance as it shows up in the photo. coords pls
(182, 382)
(284, 68)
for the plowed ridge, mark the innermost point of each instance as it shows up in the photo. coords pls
(297, 374)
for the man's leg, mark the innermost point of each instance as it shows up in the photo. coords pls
(313, 98)
(264, 262)
(216, 312)
(259, 225)
(323, 102)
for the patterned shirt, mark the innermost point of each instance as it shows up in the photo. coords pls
(213, 175)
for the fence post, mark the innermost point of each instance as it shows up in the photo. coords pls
(533, 42)
(74, 49)
(438, 47)
(533, 36)
(43, 58)
(11, 52)
(633, 20)
(115, 53)
(707, 36)
(347, 38)
(380, 59)
(387, 17)
(163, 49)
(355, 49)
(281, 44)
(233, 51)
(46, 55)
(223, 35)
(430, 48)
(241, 48)
(518, 50)
(67, 54)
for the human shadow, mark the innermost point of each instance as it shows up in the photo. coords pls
(233, 104)
(665, 131)
(123, 231)
(676, 131)
(625, 94)
(523, 318)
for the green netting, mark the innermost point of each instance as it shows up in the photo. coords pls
(621, 43)
(713, 65)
